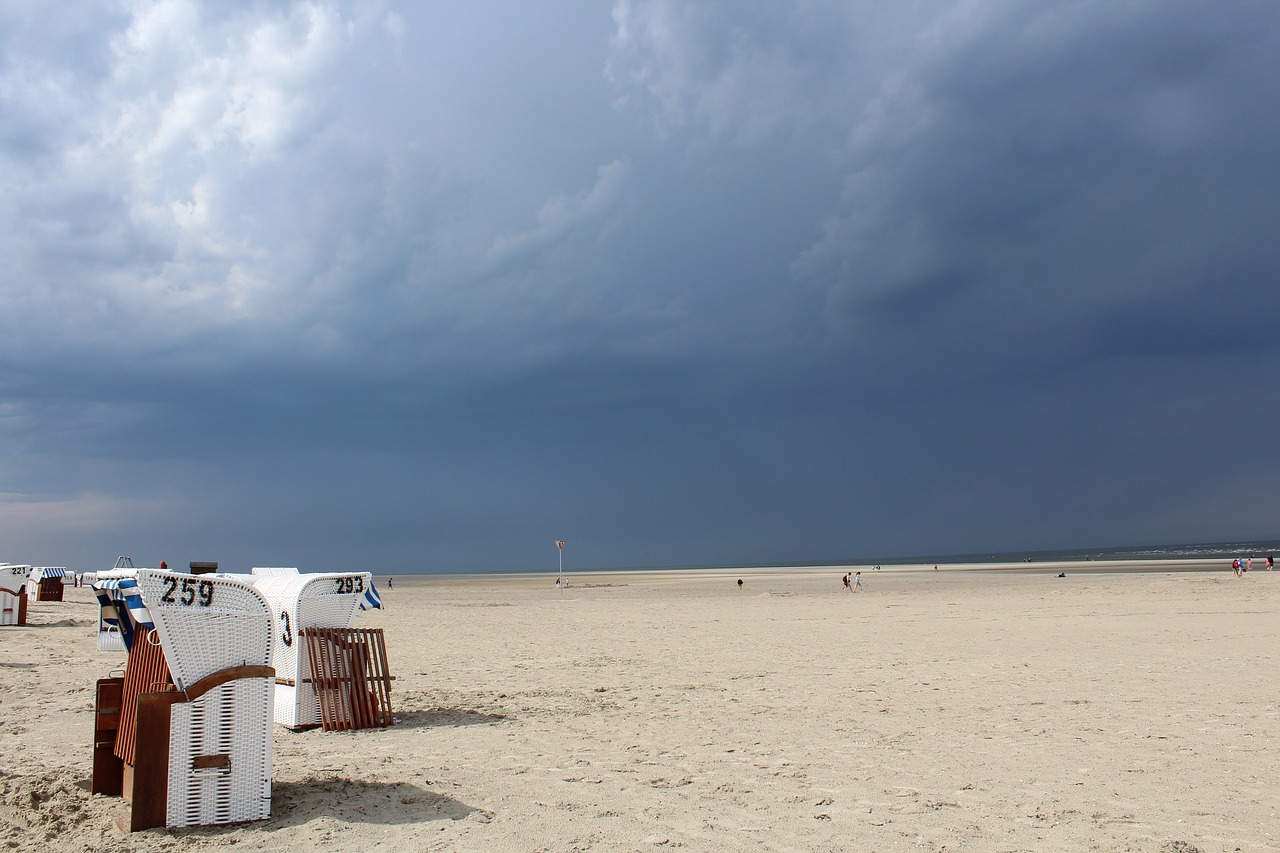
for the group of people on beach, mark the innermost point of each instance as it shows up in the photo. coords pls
(853, 584)
(1240, 565)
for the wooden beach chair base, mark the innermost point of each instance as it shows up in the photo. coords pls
(196, 760)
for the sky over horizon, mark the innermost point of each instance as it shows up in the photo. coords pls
(427, 286)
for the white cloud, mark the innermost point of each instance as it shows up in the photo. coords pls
(157, 177)
(561, 215)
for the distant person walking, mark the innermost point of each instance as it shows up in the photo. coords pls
(1235, 566)
(739, 583)
(845, 580)
(1249, 566)
(1271, 561)
(857, 582)
(391, 583)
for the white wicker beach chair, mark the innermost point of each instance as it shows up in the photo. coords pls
(47, 582)
(203, 751)
(120, 608)
(321, 600)
(13, 594)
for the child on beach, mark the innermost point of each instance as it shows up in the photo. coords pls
(857, 582)
(845, 580)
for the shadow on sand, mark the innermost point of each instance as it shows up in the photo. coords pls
(352, 801)
(446, 717)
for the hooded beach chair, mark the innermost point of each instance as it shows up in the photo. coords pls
(13, 594)
(328, 673)
(119, 608)
(48, 582)
(192, 743)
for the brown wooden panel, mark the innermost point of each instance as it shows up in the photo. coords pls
(209, 762)
(51, 589)
(145, 671)
(173, 696)
(349, 672)
(151, 770)
(107, 768)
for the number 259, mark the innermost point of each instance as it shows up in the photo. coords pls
(193, 592)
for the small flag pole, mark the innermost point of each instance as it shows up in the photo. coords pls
(560, 543)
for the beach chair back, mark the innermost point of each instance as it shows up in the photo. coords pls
(320, 600)
(206, 623)
(13, 594)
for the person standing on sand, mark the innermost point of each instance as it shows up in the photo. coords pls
(857, 582)
(845, 581)
(1271, 561)
(1235, 566)
(739, 583)
(391, 583)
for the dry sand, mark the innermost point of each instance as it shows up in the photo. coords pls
(956, 710)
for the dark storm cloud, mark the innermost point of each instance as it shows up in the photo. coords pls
(432, 286)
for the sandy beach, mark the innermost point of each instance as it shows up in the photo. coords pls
(963, 709)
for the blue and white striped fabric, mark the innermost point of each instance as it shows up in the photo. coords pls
(114, 591)
(48, 572)
(372, 601)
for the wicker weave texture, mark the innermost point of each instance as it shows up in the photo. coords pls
(287, 710)
(231, 725)
(206, 623)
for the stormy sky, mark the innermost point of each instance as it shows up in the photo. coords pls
(427, 286)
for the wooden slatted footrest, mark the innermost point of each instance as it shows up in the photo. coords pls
(351, 677)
